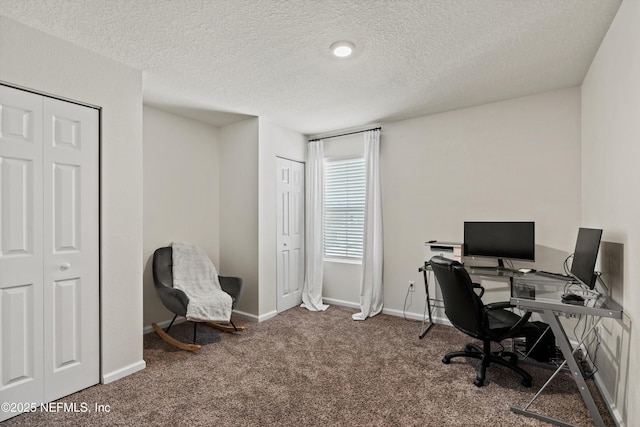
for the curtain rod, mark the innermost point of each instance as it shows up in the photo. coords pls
(345, 134)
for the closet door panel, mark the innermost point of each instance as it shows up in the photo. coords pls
(66, 208)
(71, 248)
(21, 255)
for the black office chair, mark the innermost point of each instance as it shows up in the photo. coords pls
(177, 301)
(491, 322)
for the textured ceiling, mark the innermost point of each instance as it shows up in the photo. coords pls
(270, 58)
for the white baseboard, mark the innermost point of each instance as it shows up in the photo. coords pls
(389, 311)
(400, 313)
(244, 315)
(597, 379)
(332, 301)
(123, 372)
(265, 316)
(416, 316)
(613, 409)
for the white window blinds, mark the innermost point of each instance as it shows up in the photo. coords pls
(344, 197)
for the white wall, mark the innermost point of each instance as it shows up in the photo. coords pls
(274, 141)
(510, 160)
(43, 63)
(181, 193)
(610, 198)
(238, 148)
(215, 187)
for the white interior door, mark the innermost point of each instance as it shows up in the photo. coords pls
(290, 233)
(21, 269)
(71, 329)
(49, 328)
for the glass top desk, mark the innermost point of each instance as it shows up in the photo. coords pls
(541, 294)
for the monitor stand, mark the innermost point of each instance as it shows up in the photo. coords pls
(500, 266)
(504, 269)
(499, 270)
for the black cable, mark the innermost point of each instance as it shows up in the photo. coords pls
(587, 358)
(592, 359)
(405, 308)
(594, 368)
(601, 280)
(575, 333)
(565, 264)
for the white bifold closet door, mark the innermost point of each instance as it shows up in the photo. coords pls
(49, 277)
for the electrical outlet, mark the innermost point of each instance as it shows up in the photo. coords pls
(412, 287)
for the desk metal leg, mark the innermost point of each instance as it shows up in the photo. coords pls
(424, 319)
(563, 342)
(427, 307)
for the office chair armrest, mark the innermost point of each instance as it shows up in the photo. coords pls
(479, 286)
(499, 305)
(506, 304)
(523, 321)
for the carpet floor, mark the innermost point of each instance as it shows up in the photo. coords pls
(309, 369)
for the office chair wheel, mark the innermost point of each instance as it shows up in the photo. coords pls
(478, 382)
(526, 382)
(446, 360)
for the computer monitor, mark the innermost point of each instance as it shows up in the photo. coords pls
(584, 257)
(501, 240)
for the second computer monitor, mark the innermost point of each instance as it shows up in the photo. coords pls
(585, 255)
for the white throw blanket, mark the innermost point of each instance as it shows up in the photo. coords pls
(196, 276)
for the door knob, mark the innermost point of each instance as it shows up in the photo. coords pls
(65, 266)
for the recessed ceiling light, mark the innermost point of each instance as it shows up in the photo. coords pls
(342, 49)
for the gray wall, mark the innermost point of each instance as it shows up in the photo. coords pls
(239, 208)
(610, 198)
(181, 193)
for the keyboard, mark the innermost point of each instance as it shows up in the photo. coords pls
(557, 276)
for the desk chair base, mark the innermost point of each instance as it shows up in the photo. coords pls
(486, 358)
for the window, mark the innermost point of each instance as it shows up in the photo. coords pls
(344, 197)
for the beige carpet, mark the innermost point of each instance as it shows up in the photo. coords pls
(302, 368)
